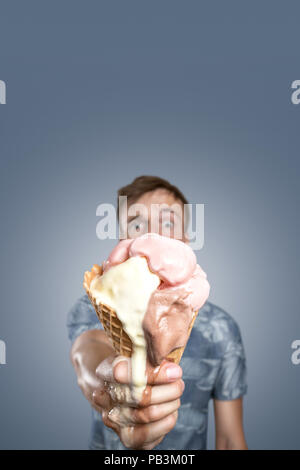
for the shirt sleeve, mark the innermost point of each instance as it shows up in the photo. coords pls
(231, 380)
(82, 317)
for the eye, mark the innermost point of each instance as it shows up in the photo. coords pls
(167, 223)
(136, 227)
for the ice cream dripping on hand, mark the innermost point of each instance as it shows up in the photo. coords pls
(155, 286)
(126, 288)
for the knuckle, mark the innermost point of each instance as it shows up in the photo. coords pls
(98, 370)
(141, 416)
(148, 446)
(98, 396)
(108, 423)
(104, 369)
(95, 398)
(126, 436)
(153, 444)
(172, 420)
(179, 388)
(153, 413)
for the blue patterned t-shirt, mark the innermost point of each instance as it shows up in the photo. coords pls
(213, 364)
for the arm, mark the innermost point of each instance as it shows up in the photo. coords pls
(87, 352)
(230, 385)
(229, 425)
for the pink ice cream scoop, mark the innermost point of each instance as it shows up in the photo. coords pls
(183, 290)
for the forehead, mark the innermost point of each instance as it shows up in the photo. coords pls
(158, 196)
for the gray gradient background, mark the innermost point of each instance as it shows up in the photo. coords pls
(99, 92)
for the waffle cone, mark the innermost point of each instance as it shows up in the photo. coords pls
(113, 327)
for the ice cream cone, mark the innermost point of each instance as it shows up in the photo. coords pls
(113, 327)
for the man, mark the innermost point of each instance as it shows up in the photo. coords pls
(213, 365)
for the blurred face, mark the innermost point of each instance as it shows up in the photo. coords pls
(155, 212)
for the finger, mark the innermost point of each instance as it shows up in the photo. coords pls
(152, 445)
(135, 437)
(122, 370)
(113, 393)
(120, 393)
(165, 373)
(161, 428)
(101, 398)
(126, 416)
(105, 370)
(168, 372)
(166, 393)
(154, 413)
(107, 422)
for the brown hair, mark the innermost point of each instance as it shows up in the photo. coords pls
(144, 184)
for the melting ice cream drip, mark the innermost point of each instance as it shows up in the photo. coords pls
(127, 288)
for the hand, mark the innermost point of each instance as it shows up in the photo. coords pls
(139, 425)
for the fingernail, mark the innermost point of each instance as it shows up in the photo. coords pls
(116, 371)
(173, 372)
(120, 359)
